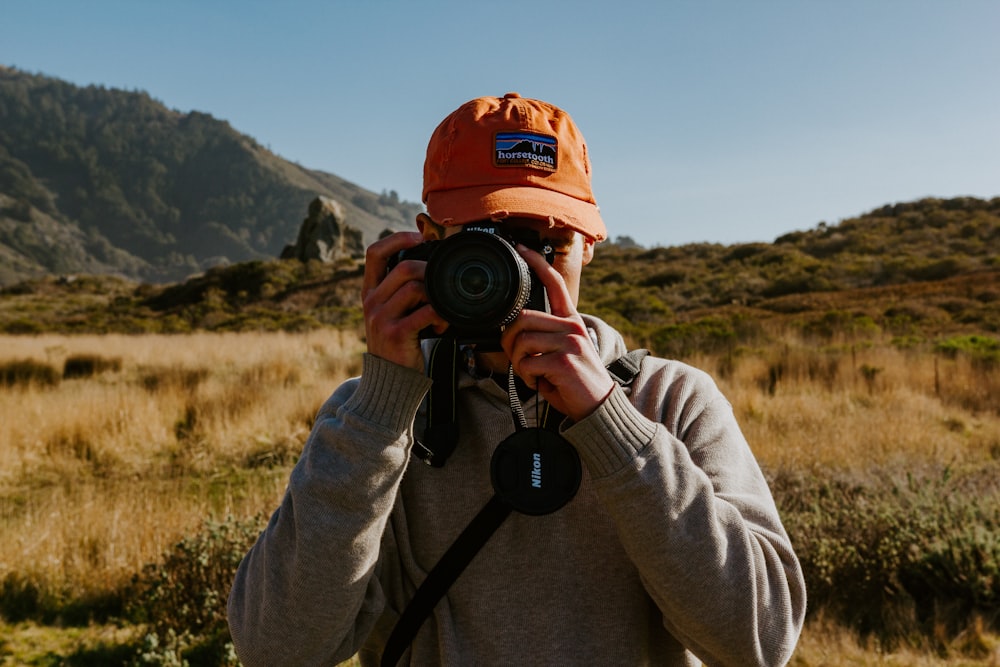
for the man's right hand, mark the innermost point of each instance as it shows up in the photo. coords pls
(395, 303)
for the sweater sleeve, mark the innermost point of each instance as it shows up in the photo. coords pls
(697, 519)
(307, 592)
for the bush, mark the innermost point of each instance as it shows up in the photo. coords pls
(183, 598)
(894, 558)
(22, 326)
(938, 269)
(983, 350)
(24, 597)
(88, 365)
(710, 334)
(835, 323)
(958, 565)
(24, 372)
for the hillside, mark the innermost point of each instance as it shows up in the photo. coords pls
(907, 245)
(915, 271)
(103, 181)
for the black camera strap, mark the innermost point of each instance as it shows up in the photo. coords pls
(524, 450)
(442, 576)
(441, 432)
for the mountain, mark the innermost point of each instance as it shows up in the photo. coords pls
(103, 181)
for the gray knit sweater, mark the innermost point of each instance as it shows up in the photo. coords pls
(672, 548)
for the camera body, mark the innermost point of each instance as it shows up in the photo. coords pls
(478, 282)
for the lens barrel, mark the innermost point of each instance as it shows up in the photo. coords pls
(477, 281)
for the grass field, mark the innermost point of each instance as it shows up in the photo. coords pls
(121, 456)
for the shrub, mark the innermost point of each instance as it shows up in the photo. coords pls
(637, 307)
(165, 378)
(799, 282)
(938, 269)
(26, 597)
(22, 598)
(959, 565)
(665, 278)
(710, 334)
(836, 323)
(88, 365)
(24, 372)
(980, 349)
(22, 326)
(893, 558)
(187, 591)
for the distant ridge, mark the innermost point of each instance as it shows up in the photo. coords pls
(916, 270)
(104, 181)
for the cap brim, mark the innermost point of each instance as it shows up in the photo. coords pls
(464, 205)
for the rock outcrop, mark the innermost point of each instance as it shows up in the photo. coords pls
(324, 235)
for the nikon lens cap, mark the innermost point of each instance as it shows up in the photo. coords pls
(535, 471)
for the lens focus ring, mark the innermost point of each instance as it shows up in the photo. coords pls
(477, 281)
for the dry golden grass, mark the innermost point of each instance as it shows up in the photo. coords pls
(826, 644)
(808, 409)
(100, 475)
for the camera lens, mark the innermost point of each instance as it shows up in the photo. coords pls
(474, 280)
(477, 281)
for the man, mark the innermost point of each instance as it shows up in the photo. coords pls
(671, 551)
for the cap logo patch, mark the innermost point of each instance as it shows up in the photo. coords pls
(525, 149)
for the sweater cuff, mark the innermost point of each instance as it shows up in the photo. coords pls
(388, 394)
(612, 436)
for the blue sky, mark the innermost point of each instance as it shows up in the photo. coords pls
(720, 120)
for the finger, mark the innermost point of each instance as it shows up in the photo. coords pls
(560, 302)
(394, 320)
(547, 373)
(574, 382)
(407, 271)
(410, 325)
(399, 295)
(401, 292)
(565, 341)
(377, 256)
(534, 332)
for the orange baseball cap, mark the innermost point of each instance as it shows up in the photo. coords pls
(495, 158)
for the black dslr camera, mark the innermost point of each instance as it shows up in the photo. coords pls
(478, 282)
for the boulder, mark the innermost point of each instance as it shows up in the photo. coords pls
(324, 235)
